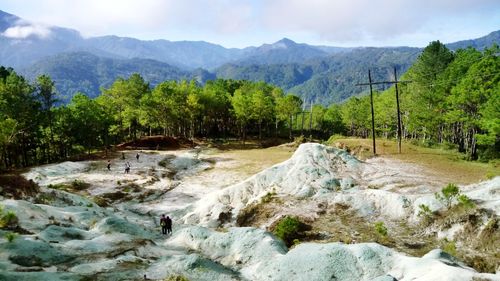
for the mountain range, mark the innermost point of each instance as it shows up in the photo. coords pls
(320, 74)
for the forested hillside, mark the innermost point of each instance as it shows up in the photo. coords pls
(454, 99)
(327, 80)
(87, 73)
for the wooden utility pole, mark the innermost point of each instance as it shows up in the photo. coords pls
(373, 114)
(311, 121)
(399, 112)
(395, 82)
(303, 115)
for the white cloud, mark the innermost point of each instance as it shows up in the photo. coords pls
(98, 17)
(336, 21)
(369, 19)
(25, 31)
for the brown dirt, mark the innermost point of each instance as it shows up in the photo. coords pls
(156, 142)
(17, 187)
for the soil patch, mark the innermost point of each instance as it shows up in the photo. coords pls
(17, 187)
(157, 142)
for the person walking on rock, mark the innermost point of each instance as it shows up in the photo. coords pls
(163, 224)
(169, 225)
(137, 156)
(109, 165)
(127, 167)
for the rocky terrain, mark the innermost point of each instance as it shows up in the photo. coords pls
(363, 220)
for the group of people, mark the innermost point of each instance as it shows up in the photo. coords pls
(165, 221)
(127, 164)
(166, 225)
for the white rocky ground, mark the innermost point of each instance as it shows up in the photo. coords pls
(73, 238)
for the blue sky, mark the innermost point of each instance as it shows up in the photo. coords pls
(241, 23)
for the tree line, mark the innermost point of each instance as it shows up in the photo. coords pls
(33, 130)
(454, 99)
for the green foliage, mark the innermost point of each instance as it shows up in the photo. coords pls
(380, 228)
(176, 278)
(449, 246)
(8, 219)
(10, 236)
(426, 214)
(465, 201)
(448, 194)
(79, 185)
(288, 229)
(453, 100)
(268, 197)
(490, 175)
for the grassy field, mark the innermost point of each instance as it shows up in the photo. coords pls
(444, 163)
(250, 158)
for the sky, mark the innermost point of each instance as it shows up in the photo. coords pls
(242, 23)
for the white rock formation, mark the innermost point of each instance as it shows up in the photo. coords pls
(257, 255)
(320, 172)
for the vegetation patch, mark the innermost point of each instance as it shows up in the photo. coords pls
(10, 236)
(17, 187)
(8, 220)
(176, 278)
(76, 185)
(290, 229)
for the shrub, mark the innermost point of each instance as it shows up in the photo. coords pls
(425, 212)
(10, 236)
(8, 219)
(176, 278)
(449, 247)
(268, 197)
(79, 185)
(288, 229)
(380, 228)
(448, 194)
(465, 201)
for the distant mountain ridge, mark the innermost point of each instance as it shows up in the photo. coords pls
(322, 74)
(87, 73)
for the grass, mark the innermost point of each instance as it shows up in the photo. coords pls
(251, 161)
(444, 163)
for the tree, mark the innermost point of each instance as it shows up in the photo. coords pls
(47, 93)
(287, 107)
(89, 123)
(427, 106)
(474, 102)
(332, 121)
(122, 101)
(262, 108)
(19, 111)
(242, 103)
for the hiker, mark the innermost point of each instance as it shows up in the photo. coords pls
(137, 156)
(127, 167)
(109, 165)
(123, 156)
(169, 225)
(163, 224)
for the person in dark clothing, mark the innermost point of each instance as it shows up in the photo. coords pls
(137, 156)
(127, 167)
(109, 165)
(163, 224)
(169, 225)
